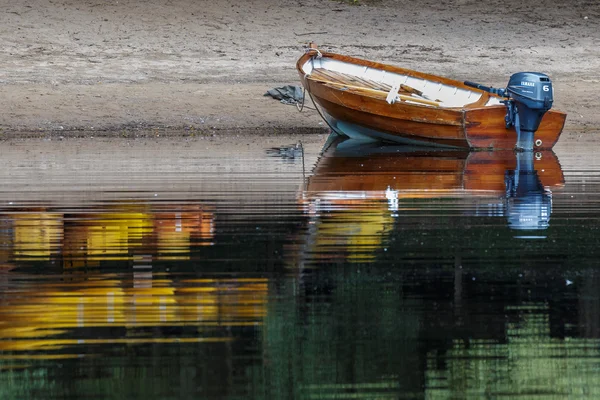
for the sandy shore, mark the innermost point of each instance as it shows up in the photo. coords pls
(200, 67)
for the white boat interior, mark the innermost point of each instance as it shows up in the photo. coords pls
(447, 96)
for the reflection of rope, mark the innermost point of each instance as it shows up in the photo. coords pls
(303, 168)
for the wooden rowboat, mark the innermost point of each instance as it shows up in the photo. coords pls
(354, 98)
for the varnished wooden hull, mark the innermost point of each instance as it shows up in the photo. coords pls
(472, 126)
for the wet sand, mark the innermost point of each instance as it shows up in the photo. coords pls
(123, 68)
(73, 171)
(98, 169)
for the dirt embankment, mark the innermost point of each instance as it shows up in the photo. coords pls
(93, 65)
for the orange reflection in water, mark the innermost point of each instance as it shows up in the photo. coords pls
(175, 230)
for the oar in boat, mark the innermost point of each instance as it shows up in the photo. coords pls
(417, 92)
(400, 96)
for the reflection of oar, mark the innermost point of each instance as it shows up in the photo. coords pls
(400, 96)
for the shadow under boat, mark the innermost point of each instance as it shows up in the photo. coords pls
(353, 175)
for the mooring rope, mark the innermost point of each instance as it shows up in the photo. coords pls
(301, 107)
(323, 118)
(319, 55)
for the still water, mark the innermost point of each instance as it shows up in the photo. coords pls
(224, 269)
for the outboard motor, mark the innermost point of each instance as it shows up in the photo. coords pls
(529, 95)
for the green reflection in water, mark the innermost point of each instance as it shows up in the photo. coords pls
(340, 333)
(529, 365)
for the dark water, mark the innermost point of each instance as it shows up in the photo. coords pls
(205, 270)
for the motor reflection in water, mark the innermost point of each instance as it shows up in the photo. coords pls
(358, 191)
(528, 201)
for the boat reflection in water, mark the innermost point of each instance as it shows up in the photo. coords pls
(359, 190)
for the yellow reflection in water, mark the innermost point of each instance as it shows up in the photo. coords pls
(32, 318)
(353, 235)
(114, 233)
(37, 235)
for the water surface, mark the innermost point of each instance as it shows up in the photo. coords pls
(296, 267)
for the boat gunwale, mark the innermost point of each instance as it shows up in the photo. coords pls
(480, 102)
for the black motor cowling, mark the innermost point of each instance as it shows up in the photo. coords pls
(529, 96)
(532, 95)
